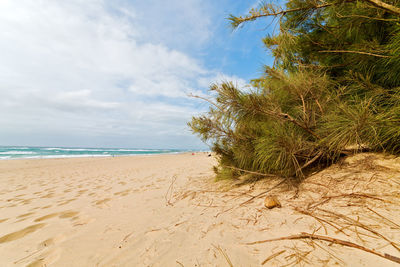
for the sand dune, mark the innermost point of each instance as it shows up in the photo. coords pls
(167, 211)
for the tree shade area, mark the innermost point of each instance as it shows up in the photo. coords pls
(334, 89)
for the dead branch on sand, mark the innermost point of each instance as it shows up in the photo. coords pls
(224, 254)
(361, 225)
(273, 256)
(351, 195)
(332, 240)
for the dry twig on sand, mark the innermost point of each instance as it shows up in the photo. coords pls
(252, 198)
(383, 217)
(180, 263)
(273, 256)
(361, 225)
(262, 193)
(168, 194)
(224, 254)
(351, 195)
(332, 240)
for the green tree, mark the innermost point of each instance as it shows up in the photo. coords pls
(334, 89)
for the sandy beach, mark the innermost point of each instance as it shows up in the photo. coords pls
(167, 210)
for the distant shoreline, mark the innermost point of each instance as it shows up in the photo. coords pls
(24, 152)
(105, 156)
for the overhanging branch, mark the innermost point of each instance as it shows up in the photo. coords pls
(354, 52)
(382, 5)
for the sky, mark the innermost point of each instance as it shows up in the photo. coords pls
(117, 73)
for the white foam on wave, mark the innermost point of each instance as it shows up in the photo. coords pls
(85, 156)
(83, 149)
(66, 156)
(17, 153)
(137, 150)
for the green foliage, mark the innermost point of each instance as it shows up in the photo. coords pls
(334, 88)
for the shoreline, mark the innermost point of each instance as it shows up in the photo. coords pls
(101, 156)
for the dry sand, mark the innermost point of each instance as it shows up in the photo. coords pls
(167, 211)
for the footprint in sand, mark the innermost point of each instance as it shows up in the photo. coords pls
(21, 233)
(65, 202)
(102, 201)
(68, 214)
(26, 201)
(79, 221)
(52, 241)
(25, 215)
(46, 217)
(46, 258)
(49, 195)
(80, 192)
(21, 188)
(61, 215)
(123, 193)
(108, 188)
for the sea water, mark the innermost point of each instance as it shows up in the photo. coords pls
(26, 152)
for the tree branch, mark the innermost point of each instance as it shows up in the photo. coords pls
(251, 172)
(236, 21)
(364, 17)
(308, 163)
(207, 100)
(292, 120)
(355, 52)
(382, 5)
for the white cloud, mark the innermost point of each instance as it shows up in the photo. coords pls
(183, 24)
(83, 67)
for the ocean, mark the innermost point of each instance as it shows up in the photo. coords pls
(26, 152)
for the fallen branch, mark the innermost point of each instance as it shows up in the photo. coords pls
(320, 220)
(355, 195)
(273, 256)
(359, 224)
(224, 254)
(332, 240)
(383, 217)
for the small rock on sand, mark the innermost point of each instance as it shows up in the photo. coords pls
(271, 202)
